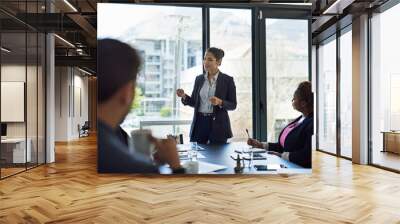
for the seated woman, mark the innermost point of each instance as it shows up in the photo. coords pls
(295, 139)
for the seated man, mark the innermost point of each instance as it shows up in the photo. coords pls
(118, 66)
(123, 136)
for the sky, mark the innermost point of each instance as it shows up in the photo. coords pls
(114, 19)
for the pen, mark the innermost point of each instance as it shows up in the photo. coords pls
(247, 131)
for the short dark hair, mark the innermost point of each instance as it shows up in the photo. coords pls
(304, 93)
(217, 52)
(117, 64)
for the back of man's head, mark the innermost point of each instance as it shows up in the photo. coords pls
(117, 64)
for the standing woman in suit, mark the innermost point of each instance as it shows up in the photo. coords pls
(214, 93)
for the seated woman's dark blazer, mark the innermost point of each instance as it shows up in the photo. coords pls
(297, 143)
(226, 91)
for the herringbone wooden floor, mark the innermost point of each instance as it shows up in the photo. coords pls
(70, 191)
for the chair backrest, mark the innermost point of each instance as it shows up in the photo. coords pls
(86, 125)
(177, 138)
(181, 138)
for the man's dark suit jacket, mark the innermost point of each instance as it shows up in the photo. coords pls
(297, 143)
(226, 91)
(114, 157)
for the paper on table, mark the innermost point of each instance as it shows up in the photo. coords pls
(254, 150)
(273, 166)
(256, 156)
(199, 167)
(184, 155)
(186, 147)
(209, 167)
(258, 150)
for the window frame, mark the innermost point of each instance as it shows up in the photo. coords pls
(381, 9)
(296, 11)
(25, 30)
(328, 37)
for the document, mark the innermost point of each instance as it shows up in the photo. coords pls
(185, 155)
(199, 167)
(273, 166)
(186, 147)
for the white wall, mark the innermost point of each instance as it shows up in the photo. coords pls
(33, 125)
(61, 103)
(50, 95)
(14, 73)
(360, 90)
(17, 73)
(81, 104)
(13, 101)
(71, 102)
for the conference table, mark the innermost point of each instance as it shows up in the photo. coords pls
(223, 156)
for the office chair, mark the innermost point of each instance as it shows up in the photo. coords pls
(84, 130)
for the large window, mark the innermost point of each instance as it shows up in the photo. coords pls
(230, 29)
(13, 84)
(327, 96)
(385, 87)
(22, 94)
(287, 66)
(174, 59)
(169, 38)
(335, 73)
(172, 50)
(346, 94)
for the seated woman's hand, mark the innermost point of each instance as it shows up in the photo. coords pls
(254, 143)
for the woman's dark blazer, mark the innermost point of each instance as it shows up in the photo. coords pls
(225, 90)
(297, 142)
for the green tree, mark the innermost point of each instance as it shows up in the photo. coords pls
(137, 101)
(165, 112)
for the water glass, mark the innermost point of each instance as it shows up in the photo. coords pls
(250, 158)
(192, 153)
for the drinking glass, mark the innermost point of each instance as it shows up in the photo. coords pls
(192, 153)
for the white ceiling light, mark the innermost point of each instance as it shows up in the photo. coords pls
(5, 50)
(86, 72)
(288, 3)
(70, 5)
(338, 6)
(64, 40)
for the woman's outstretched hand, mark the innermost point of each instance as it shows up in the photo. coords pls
(180, 93)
